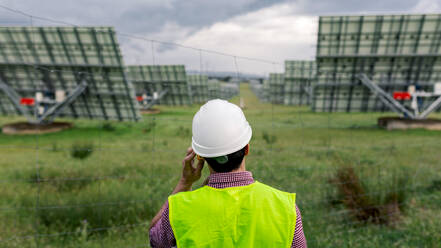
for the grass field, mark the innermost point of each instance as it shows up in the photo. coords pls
(48, 198)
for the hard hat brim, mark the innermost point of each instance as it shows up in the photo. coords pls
(211, 152)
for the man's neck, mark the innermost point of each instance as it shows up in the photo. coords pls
(241, 168)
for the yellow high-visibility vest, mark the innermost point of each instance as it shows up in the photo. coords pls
(255, 215)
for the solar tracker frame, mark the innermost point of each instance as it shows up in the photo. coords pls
(389, 49)
(299, 76)
(332, 97)
(45, 59)
(148, 79)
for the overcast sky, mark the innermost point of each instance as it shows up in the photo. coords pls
(274, 30)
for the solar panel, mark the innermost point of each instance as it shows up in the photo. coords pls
(199, 88)
(276, 88)
(299, 76)
(47, 64)
(390, 49)
(154, 79)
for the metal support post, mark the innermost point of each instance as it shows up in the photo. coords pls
(414, 105)
(430, 109)
(56, 109)
(153, 101)
(15, 99)
(385, 98)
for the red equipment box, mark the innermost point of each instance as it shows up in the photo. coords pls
(27, 101)
(402, 96)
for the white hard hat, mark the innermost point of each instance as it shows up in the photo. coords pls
(219, 128)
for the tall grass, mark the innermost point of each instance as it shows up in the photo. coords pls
(108, 197)
(81, 150)
(385, 208)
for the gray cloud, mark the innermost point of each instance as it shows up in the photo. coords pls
(243, 27)
(325, 7)
(150, 17)
(136, 16)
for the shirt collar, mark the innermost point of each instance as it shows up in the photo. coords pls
(230, 179)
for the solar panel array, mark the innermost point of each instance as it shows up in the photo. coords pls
(276, 84)
(264, 95)
(293, 87)
(199, 88)
(299, 76)
(151, 79)
(214, 88)
(49, 59)
(257, 87)
(266, 91)
(392, 50)
(228, 90)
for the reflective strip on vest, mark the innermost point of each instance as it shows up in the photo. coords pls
(255, 215)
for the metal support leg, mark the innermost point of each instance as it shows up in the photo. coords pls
(385, 98)
(15, 99)
(56, 109)
(153, 101)
(430, 109)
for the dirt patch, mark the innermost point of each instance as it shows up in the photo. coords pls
(19, 128)
(151, 111)
(398, 123)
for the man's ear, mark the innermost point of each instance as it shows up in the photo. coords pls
(247, 149)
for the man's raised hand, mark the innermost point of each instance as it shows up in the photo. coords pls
(190, 172)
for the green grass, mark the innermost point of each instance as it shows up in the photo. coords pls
(108, 198)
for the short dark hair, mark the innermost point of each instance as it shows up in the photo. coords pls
(233, 161)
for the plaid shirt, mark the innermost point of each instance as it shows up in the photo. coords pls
(161, 234)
